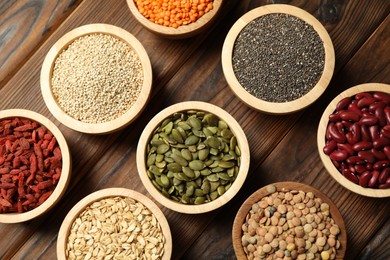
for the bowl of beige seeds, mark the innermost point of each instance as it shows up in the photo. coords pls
(193, 157)
(289, 219)
(96, 79)
(115, 223)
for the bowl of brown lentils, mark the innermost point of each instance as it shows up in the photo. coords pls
(353, 139)
(175, 19)
(96, 79)
(193, 157)
(35, 165)
(115, 223)
(278, 59)
(289, 219)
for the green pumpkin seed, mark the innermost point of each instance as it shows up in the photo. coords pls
(206, 187)
(176, 181)
(165, 122)
(161, 165)
(183, 176)
(198, 193)
(202, 154)
(197, 174)
(217, 169)
(178, 159)
(156, 185)
(156, 171)
(198, 182)
(192, 148)
(184, 125)
(159, 157)
(150, 175)
(214, 185)
(165, 181)
(228, 157)
(188, 172)
(191, 183)
(170, 174)
(186, 154)
(222, 124)
(185, 199)
(225, 164)
(168, 128)
(224, 176)
(207, 132)
(180, 188)
(205, 172)
(214, 195)
(199, 200)
(214, 164)
(168, 159)
(174, 167)
(158, 181)
(213, 142)
(171, 190)
(214, 151)
(216, 157)
(182, 132)
(201, 146)
(197, 165)
(213, 177)
(191, 140)
(198, 133)
(195, 123)
(230, 172)
(233, 143)
(238, 152)
(190, 191)
(211, 119)
(175, 198)
(177, 136)
(195, 156)
(151, 159)
(228, 187)
(227, 134)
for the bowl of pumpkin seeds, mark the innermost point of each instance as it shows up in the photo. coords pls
(193, 157)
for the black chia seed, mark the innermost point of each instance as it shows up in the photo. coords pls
(278, 58)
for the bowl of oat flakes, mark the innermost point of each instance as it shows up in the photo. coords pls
(115, 223)
(289, 219)
(96, 79)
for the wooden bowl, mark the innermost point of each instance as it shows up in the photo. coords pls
(105, 127)
(184, 31)
(332, 170)
(275, 107)
(65, 172)
(241, 141)
(259, 194)
(107, 193)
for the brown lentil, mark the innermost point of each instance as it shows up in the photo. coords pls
(97, 78)
(278, 57)
(173, 13)
(299, 238)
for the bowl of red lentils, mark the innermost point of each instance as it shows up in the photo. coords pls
(354, 139)
(278, 59)
(115, 223)
(289, 220)
(96, 79)
(175, 19)
(193, 157)
(35, 165)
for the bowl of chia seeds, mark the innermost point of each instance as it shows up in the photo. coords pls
(193, 157)
(278, 59)
(96, 79)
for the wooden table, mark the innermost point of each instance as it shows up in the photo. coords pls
(283, 148)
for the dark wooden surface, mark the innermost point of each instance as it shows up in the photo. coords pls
(283, 148)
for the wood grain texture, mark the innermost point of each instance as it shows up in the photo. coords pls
(24, 25)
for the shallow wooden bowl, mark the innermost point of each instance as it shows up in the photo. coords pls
(65, 172)
(332, 170)
(274, 107)
(98, 128)
(107, 193)
(259, 194)
(181, 32)
(241, 141)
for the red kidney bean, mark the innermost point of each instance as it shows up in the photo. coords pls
(349, 116)
(375, 105)
(343, 103)
(329, 147)
(350, 176)
(339, 155)
(347, 124)
(362, 95)
(374, 132)
(385, 133)
(382, 97)
(352, 168)
(380, 114)
(360, 168)
(369, 166)
(374, 179)
(366, 156)
(368, 120)
(328, 136)
(364, 178)
(354, 135)
(384, 186)
(386, 150)
(346, 147)
(381, 142)
(385, 174)
(336, 163)
(363, 145)
(365, 102)
(365, 133)
(379, 165)
(340, 127)
(334, 117)
(386, 110)
(354, 108)
(336, 135)
(354, 160)
(378, 154)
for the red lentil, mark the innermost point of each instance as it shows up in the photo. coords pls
(173, 13)
(30, 164)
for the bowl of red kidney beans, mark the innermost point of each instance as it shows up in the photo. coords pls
(354, 139)
(35, 165)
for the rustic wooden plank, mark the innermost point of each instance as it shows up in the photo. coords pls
(296, 157)
(23, 28)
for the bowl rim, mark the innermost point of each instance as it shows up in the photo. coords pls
(182, 31)
(108, 193)
(62, 44)
(262, 192)
(275, 107)
(234, 127)
(331, 169)
(64, 180)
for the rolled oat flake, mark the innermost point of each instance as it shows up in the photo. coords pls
(278, 57)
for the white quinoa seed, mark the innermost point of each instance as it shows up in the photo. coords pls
(97, 78)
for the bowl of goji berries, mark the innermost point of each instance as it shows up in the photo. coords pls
(35, 165)
(175, 19)
(354, 139)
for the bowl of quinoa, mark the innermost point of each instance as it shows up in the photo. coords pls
(96, 79)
